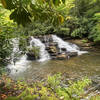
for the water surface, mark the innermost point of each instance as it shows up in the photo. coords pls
(80, 66)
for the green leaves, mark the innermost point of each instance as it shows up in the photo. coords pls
(21, 16)
(24, 11)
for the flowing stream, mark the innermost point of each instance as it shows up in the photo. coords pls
(69, 46)
(87, 64)
(20, 63)
(83, 65)
(44, 55)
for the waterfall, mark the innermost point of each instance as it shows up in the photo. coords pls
(69, 46)
(44, 55)
(17, 64)
(15, 44)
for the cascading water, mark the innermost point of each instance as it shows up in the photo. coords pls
(20, 64)
(15, 43)
(44, 55)
(69, 46)
(17, 64)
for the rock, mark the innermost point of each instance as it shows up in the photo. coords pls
(53, 44)
(52, 49)
(30, 56)
(50, 39)
(61, 56)
(72, 54)
(63, 49)
(53, 54)
(53, 57)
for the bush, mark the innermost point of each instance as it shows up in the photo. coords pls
(95, 32)
(7, 28)
(34, 51)
(49, 90)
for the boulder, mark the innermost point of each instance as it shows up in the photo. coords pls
(52, 49)
(53, 54)
(72, 54)
(53, 44)
(63, 49)
(61, 56)
(53, 57)
(50, 39)
(30, 56)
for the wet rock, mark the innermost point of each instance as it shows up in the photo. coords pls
(53, 44)
(61, 56)
(47, 48)
(72, 54)
(30, 56)
(53, 57)
(63, 49)
(53, 54)
(52, 49)
(50, 39)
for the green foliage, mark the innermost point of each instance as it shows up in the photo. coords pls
(54, 81)
(95, 32)
(24, 11)
(73, 92)
(35, 51)
(97, 97)
(52, 90)
(84, 40)
(6, 30)
(38, 28)
(12, 98)
(23, 43)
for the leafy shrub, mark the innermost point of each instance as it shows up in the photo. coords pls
(52, 89)
(7, 28)
(35, 51)
(95, 32)
(97, 97)
(79, 27)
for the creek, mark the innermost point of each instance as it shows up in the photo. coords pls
(85, 64)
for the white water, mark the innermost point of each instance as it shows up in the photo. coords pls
(69, 46)
(21, 64)
(44, 55)
(15, 43)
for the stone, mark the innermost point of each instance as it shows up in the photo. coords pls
(61, 56)
(53, 44)
(30, 56)
(52, 49)
(63, 49)
(53, 57)
(50, 39)
(53, 54)
(72, 54)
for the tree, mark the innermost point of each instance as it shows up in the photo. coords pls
(24, 11)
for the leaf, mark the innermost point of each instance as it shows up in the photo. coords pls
(4, 3)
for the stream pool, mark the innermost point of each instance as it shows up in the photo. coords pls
(80, 66)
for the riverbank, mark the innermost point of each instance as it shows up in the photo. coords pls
(55, 87)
